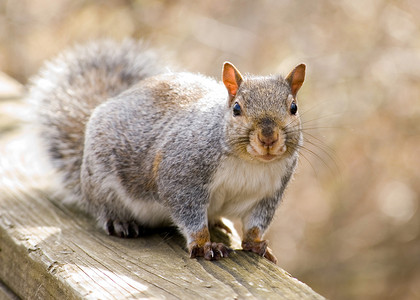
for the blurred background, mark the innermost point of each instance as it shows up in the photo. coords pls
(349, 226)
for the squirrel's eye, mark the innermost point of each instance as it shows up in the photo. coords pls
(236, 109)
(293, 108)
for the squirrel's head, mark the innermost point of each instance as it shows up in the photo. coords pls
(264, 121)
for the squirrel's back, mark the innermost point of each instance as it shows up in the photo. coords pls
(68, 88)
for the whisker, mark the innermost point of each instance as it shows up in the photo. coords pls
(318, 156)
(304, 112)
(308, 161)
(312, 120)
(331, 156)
(292, 130)
(320, 118)
(320, 142)
(319, 104)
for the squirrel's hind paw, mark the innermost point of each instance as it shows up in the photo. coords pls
(210, 251)
(124, 229)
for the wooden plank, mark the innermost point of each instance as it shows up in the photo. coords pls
(48, 251)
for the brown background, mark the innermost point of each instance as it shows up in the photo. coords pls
(349, 225)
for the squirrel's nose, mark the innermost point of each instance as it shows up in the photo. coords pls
(268, 141)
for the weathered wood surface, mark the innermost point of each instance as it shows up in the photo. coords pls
(48, 251)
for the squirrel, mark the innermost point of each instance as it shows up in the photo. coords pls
(139, 146)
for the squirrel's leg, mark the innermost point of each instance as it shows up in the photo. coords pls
(116, 223)
(103, 203)
(189, 213)
(255, 224)
(103, 192)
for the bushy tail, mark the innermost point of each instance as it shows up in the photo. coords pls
(69, 87)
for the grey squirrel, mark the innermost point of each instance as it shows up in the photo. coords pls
(141, 147)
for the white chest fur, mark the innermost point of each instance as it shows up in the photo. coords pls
(238, 185)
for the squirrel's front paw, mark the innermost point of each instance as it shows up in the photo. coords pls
(210, 251)
(261, 248)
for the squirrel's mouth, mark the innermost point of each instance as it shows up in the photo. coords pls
(267, 157)
(266, 154)
(265, 147)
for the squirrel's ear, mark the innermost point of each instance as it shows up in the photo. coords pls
(232, 79)
(295, 78)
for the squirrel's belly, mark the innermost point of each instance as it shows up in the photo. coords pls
(238, 185)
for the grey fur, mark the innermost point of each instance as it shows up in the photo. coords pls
(68, 89)
(140, 146)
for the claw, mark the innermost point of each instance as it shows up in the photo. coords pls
(210, 251)
(220, 253)
(123, 229)
(270, 256)
(261, 248)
